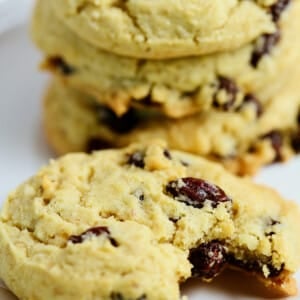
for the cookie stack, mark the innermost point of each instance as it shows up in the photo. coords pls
(214, 78)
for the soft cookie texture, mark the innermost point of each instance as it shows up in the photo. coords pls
(136, 222)
(243, 141)
(166, 29)
(176, 87)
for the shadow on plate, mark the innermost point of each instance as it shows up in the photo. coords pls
(232, 285)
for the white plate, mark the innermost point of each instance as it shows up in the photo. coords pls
(23, 149)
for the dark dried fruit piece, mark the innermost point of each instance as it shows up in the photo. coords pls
(94, 144)
(167, 154)
(270, 231)
(208, 260)
(139, 194)
(119, 296)
(278, 8)
(296, 141)
(194, 192)
(58, 63)
(264, 46)
(116, 296)
(231, 89)
(251, 99)
(254, 266)
(184, 163)
(137, 159)
(92, 232)
(277, 141)
(122, 124)
(274, 222)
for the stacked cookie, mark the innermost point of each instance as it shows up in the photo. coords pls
(214, 78)
(134, 223)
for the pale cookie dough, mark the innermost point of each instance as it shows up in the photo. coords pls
(243, 141)
(167, 29)
(176, 87)
(132, 224)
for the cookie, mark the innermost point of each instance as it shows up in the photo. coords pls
(168, 29)
(242, 141)
(136, 222)
(177, 87)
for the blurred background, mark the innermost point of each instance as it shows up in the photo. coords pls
(13, 12)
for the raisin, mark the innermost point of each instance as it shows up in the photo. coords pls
(59, 64)
(274, 222)
(264, 46)
(122, 124)
(273, 271)
(296, 141)
(139, 194)
(271, 222)
(208, 260)
(148, 101)
(95, 231)
(277, 141)
(174, 219)
(116, 296)
(231, 89)
(184, 163)
(94, 144)
(119, 296)
(194, 192)
(251, 99)
(167, 154)
(254, 266)
(278, 8)
(137, 159)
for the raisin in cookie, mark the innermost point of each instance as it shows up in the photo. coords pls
(135, 223)
(243, 141)
(176, 87)
(165, 29)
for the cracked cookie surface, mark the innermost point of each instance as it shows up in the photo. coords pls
(166, 29)
(134, 223)
(176, 87)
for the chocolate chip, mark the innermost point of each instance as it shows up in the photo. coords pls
(264, 46)
(93, 232)
(277, 141)
(254, 266)
(251, 99)
(278, 8)
(94, 144)
(137, 159)
(194, 192)
(59, 64)
(122, 124)
(208, 260)
(167, 154)
(231, 89)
